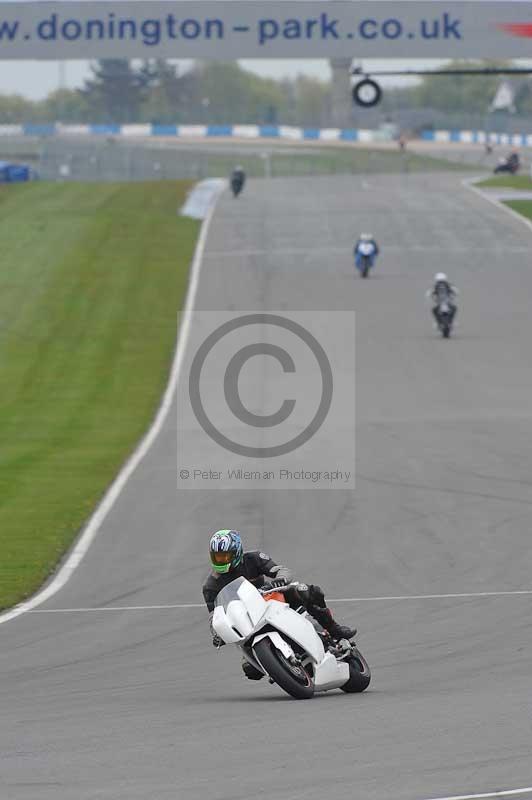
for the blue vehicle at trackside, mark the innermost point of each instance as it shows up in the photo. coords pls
(365, 252)
(15, 173)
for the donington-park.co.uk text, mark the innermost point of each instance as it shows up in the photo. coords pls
(153, 31)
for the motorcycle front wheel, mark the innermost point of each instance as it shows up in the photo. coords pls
(445, 327)
(292, 678)
(359, 673)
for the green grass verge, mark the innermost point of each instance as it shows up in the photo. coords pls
(523, 207)
(91, 278)
(507, 182)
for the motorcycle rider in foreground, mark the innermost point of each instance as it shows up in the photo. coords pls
(229, 561)
(442, 289)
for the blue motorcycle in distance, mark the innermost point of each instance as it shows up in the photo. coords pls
(366, 251)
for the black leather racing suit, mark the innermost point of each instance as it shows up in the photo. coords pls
(255, 566)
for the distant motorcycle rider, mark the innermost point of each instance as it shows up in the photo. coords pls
(238, 179)
(365, 239)
(510, 164)
(229, 561)
(513, 161)
(443, 291)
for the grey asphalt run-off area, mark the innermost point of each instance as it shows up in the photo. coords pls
(137, 705)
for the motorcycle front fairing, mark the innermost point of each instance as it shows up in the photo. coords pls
(239, 606)
(241, 613)
(366, 249)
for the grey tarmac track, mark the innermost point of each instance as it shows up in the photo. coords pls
(136, 705)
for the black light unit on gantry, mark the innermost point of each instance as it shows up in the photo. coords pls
(367, 92)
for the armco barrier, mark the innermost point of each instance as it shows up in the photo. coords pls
(259, 132)
(479, 137)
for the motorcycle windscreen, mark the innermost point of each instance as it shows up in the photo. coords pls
(228, 593)
(241, 589)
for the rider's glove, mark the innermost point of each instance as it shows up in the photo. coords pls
(217, 641)
(276, 583)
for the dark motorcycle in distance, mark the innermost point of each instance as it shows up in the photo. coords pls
(509, 164)
(238, 179)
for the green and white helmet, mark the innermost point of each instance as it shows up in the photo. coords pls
(226, 550)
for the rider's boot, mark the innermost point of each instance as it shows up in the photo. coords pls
(251, 672)
(334, 629)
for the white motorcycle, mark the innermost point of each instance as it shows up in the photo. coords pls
(284, 644)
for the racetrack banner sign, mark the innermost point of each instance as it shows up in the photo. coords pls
(252, 29)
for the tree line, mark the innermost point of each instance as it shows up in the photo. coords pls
(120, 91)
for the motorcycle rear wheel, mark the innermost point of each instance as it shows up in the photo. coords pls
(359, 674)
(295, 681)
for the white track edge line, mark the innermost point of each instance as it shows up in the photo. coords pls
(114, 608)
(465, 595)
(486, 795)
(94, 524)
(449, 596)
(469, 184)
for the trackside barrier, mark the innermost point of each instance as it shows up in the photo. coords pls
(260, 132)
(479, 137)
(193, 131)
